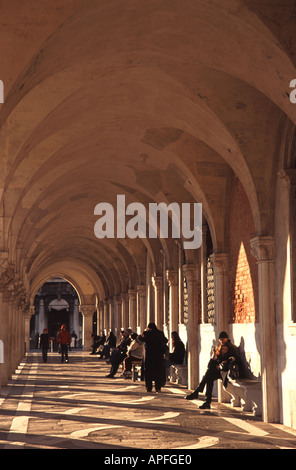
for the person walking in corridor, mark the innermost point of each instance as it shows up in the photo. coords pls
(64, 339)
(44, 344)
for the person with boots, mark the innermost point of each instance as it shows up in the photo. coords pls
(220, 360)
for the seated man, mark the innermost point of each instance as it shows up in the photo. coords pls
(224, 354)
(134, 354)
(119, 354)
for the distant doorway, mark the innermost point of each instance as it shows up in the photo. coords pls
(57, 318)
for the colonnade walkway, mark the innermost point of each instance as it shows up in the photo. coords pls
(74, 406)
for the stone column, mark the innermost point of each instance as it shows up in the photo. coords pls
(157, 283)
(221, 289)
(203, 274)
(190, 272)
(28, 316)
(118, 315)
(87, 313)
(132, 300)
(112, 319)
(42, 319)
(221, 295)
(100, 310)
(125, 310)
(263, 250)
(76, 319)
(4, 336)
(172, 277)
(106, 317)
(142, 317)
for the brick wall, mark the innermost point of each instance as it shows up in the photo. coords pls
(243, 276)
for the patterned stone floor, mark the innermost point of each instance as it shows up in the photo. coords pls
(74, 406)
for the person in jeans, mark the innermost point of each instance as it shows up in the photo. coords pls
(64, 339)
(222, 357)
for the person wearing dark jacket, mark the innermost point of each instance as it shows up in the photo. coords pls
(119, 354)
(155, 347)
(221, 359)
(178, 354)
(44, 344)
(64, 339)
(109, 344)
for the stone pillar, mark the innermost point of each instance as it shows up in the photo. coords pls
(263, 250)
(190, 272)
(4, 336)
(42, 319)
(157, 283)
(172, 277)
(125, 310)
(112, 322)
(28, 316)
(76, 319)
(221, 294)
(100, 310)
(87, 313)
(118, 315)
(132, 301)
(203, 274)
(106, 317)
(142, 317)
(221, 289)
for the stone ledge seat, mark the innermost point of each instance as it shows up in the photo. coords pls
(246, 393)
(178, 373)
(136, 370)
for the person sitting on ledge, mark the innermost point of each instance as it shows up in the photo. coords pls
(119, 354)
(135, 353)
(220, 360)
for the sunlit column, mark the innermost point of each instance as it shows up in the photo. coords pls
(87, 330)
(172, 277)
(157, 283)
(263, 250)
(191, 273)
(142, 317)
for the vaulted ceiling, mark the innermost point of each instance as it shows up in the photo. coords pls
(159, 100)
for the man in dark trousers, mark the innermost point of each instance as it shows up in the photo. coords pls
(119, 354)
(44, 344)
(220, 359)
(64, 339)
(154, 365)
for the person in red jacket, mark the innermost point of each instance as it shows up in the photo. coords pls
(64, 339)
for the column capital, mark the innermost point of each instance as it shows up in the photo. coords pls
(190, 272)
(132, 294)
(7, 274)
(263, 248)
(289, 176)
(124, 296)
(141, 290)
(87, 310)
(220, 262)
(172, 277)
(117, 299)
(157, 282)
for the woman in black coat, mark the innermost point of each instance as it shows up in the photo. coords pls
(155, 347)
